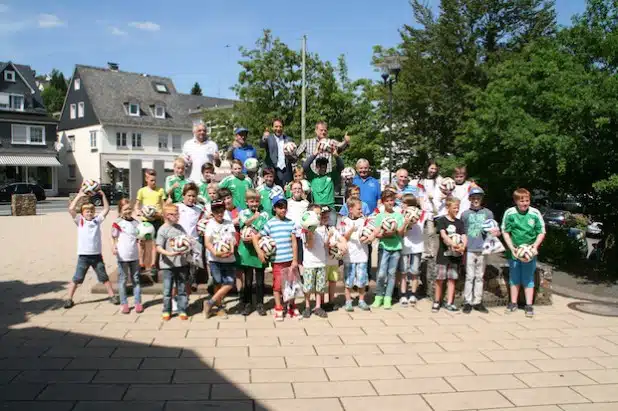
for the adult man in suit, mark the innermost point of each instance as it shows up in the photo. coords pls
(275, 154)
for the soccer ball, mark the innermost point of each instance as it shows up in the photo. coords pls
(366, 232)
(247, 233)
(181, 243)
(525, 253)
(389, 224)
(267, 245)
(222, 247)
(90, 187)
(201, 225)
(251, 164)
(447, 185)
(306, 186)
(327, 146)
(334, 252)
(188, 160)
(145, 231)
(275, 192)
(348, 173)
(309, 220)
(289, 148)
(149, 211)
(489, 225)
(413, 213)
(455, 238)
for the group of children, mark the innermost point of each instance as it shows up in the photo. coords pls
(210, 214)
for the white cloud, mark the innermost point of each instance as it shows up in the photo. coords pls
(117, 32)
(3, 8)
(145, 25)
(47, 21)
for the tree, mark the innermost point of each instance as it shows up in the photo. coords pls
(53, 99)
(58, 81)
(196, 90)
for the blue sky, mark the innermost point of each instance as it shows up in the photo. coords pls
(192, 40)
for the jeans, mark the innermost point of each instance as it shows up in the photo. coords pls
(386, 273)
(475, 270)
(175, 276)
(129, 269)
(259, 285)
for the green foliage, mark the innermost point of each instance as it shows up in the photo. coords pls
(58, 81)
(222, 123)
(196, 90)
(53, 99)
(560, 249)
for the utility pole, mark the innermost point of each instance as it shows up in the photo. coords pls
(303, 109)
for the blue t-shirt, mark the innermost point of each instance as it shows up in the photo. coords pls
(473, 223)
(364, 208)
(370, 191)
(280, 231)
(243, 153)
(409, 189)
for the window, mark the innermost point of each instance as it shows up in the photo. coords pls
(9, 75)
(136, 140)
(71, 145)
(163, 141)
(134, 109)
(80, 109)
(176, 143)
(159, 112)
(121, 140)
(161, 88)
(11, 101)
(23, 134)
(72, 171)
(77, 84)
(73, 111)
(93, 139)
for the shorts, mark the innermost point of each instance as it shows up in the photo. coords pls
(277, 267)
(84, 262)
(314, 280)
(355, 275)
(332, 272)
(521, 273)
(410, 264)
(223, 273)
(447, 271)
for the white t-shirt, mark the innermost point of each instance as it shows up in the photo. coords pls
(315, 256)
(220, 232)
(296, 209)
(200, 153)
(188, 218)
(430, 186)
(89, 234)
(461, 192)
(357, 251)
(439, 203)
(126, 233)
(334, 239)
(413, 239)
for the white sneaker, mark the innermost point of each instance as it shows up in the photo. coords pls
(403, 301)
(412, 301)
(174, 305)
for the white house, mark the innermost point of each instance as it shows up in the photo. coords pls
(111, 116)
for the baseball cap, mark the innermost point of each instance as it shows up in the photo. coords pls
(240, 130)
(476, 190)
(217, 204)
(278, 199)
(325, 209)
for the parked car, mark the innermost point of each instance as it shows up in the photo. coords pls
(111, 192)
(7, 191)
(594, 229)
(557, 218)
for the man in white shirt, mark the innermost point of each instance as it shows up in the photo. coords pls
(200, 150)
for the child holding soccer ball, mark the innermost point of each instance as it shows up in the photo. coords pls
(124, 240)
(315, 254)
(150, 195)
(238, 184)
(522, 226)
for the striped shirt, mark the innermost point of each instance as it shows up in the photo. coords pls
(308, 148)
(281, 231)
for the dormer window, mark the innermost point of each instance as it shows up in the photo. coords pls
(161, 88)
(134, 109)
(9, 75)
(77, 84)
(159, 111)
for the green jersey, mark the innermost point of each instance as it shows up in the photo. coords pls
(238, 187)
(202, 187)
(524, 228)
(176, 194)
(246, 252)
(266, 195)
(322, 188)
(393, 243)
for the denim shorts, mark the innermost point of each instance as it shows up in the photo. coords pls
(447, 271)
(410, 264)
(521, 273)
(84, 262)
(223, 273)
(355, 275)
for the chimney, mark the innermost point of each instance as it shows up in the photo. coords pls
(112, 66)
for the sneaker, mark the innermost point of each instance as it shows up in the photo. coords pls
(68, 304)
(451, 307)
(467, 308)
(403, 301)
(412, 301)
(261, 310)
(377, 302)
(320, 312)
(166, 316)
(222, 313)
(246, 310)
(294, 313)
(363, 305)
(139, 308)
(279, 314)
(207, 308)
(529, 311)
(174, 305)
(388, 303)
(307, 312)
(183, 316)
(114, 299)
(511, 308)
(125, 309)
(481, 308)
(328, 307)
(435, 307)
(348, 306)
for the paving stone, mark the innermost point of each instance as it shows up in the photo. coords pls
(240, 405)
(599, 393)
(533, 408)
(277, 332)
(84, 392)
(36, 405)
(470, 356)
(250, 362)
(388, 359)
(335, 331)
(476, 400)
(363, 373)
(429, 338)
(291, 375)
(333, 389)
(602, 376)
(544, 333)
(281, 351)
(235, 333)
(531, 343)
(606, 362)
(170, 392)
(208, 376)
(575, 352)
(575, 364)
(188, 343)
(75, 352)
(410, 348)
(606, 406)
(216, 352)
(434, 370)
(248, 341)
(256, 391)
(555, 379)
(147, 352)
(466, 346)
(310, 340)
(513, 355)
(175, 363)
(24, 352)
(311, 404)
(320, 361)
(543, 396)
(6, 376)
(411, 386)
(485, 382)
(52, 376)
(133, 376)
(371, 339)
(33, 363)
(397, 402)
(20, 391)
(104, 364)
(119, 406)
(358, 349)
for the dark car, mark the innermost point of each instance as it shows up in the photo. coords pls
(557, 218)
(112, 193)
(7, 191)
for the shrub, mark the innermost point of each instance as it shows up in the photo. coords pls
(559, 249)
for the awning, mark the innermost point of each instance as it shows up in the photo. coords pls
(124, 164)
(31, 161)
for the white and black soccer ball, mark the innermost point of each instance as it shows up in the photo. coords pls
(366, 233)
(267, 245)
(490, 225)
(309, 220)
(251, 164)
(413, 213)
(289, 148)
(525, 253)
(335, 252)
(90, 186)
(276, 191)
(348, 173)
(222, 247)
(447, 185)
(145, 231)
(201, 225)
(247, 233)
(327, 146)
(149, 211)
(389, 224)
(180, 243)
(455, 238)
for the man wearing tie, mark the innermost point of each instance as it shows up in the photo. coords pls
(275, 153)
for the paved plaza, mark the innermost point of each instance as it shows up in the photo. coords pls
(92, 357)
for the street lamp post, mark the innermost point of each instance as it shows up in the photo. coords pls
(391, 67)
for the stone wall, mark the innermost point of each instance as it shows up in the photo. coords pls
(23, 204)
